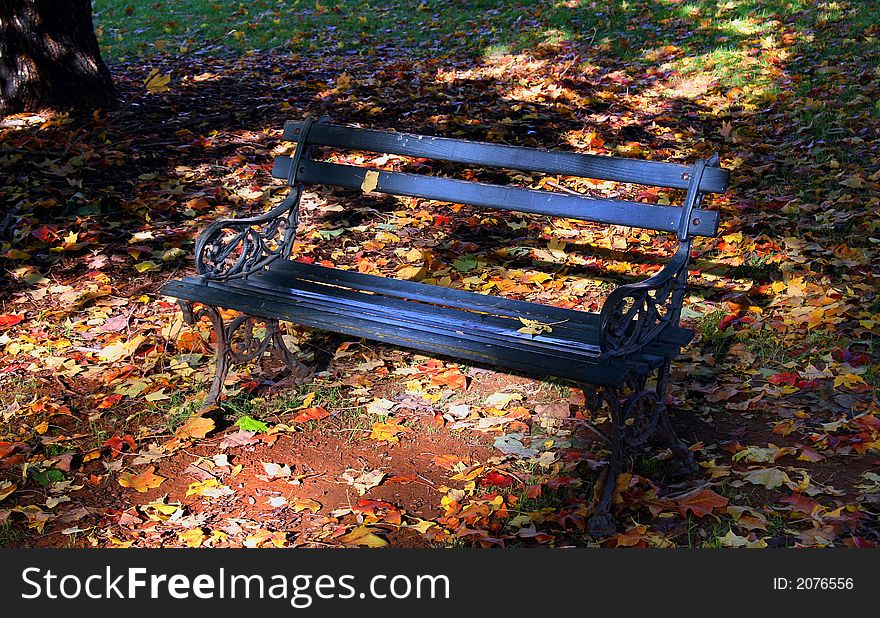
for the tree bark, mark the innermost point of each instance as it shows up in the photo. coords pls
(49, 57)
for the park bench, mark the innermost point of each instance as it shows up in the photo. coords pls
(619, 356)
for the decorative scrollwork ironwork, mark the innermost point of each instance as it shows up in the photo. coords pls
(235, 248)
(245, 339)
(634, 314)
(637, 412)
(640, 415)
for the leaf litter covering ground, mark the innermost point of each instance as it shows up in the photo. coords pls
(99, 445)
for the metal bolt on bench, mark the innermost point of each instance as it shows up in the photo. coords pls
(619, 356)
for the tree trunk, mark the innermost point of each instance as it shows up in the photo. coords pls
(49, 57)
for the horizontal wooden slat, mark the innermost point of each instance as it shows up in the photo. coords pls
(614, 212)
(466, 325)
(426, 337)
(571, 328)
(568, 352)
(653, 173)
(423, 292)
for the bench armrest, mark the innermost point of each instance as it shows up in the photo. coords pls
(636, 313)
(235, 248)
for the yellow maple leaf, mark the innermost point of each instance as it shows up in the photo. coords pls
(260, 537)
(306, 504)
(387, 432)
(117, 351)
(158, 510)
(363, 536)
(422, 527)
(209, 488)
(848, 380)
(770, 478)
(157, 83)
(192, 538)
(534, 327)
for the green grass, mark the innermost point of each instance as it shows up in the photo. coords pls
(766, 49)
(10, 534)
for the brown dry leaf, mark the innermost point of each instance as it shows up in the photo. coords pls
(6, 489)
(557, 410)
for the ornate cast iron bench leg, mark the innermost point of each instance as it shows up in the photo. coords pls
(237, 344)
(636, 411)
(601, 524)
(678, 447)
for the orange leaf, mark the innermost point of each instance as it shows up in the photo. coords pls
(700, 502)
(10, 319)
(196, 427)
(402, 479)
(311, 414)
(453, 378)
(109, 401)
(143, 481)
(446, 461)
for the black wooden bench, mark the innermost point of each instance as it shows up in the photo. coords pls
(620, 356)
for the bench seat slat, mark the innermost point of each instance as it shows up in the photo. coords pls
(426, 337)
(613, 212)
(305, 294)
(565, 338)
(576, 325)
(423, 292)
(504, 329)
(654, 173)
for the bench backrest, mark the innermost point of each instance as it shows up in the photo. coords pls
(686, 220)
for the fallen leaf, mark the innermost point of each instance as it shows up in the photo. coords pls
(306, 504)
(771, 478)
(364, 536)
(157, 83)
(261, 537)
(192, 538)
(311, 414)
(10, 319)
(364, 480)
(209, 488)
(387, 432)
(276, 471)
(371, 181)
(195, 427)
(143, 481)
(701, 502)
(6, 489)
